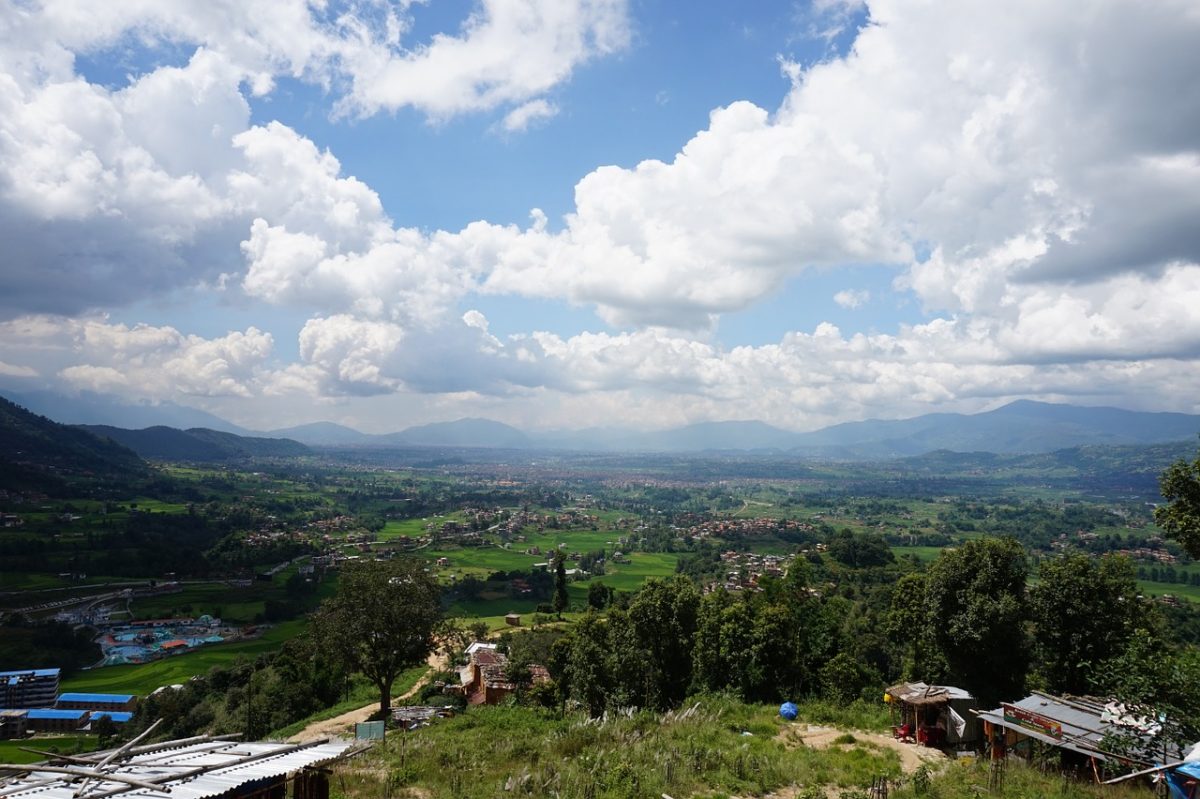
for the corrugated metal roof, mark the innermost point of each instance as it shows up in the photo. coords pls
(1082, 728)
(195, 771)
(918, 693)
(51, 713)
(32, 672)
(114, 699)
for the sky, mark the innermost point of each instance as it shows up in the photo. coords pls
(574, 213)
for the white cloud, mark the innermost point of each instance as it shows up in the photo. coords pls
(141, 361)
(530, 113)
(8, 370)
(509, 51)
(852, 298)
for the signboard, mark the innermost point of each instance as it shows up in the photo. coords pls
(1032, 721)
(369, 730)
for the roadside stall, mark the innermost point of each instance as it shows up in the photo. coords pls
(932, 715)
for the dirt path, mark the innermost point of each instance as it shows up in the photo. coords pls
(912, 756)
(343, 725)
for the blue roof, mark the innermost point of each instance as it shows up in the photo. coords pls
(46, 713)
(34, 672)
(99, 699)
(118, 717)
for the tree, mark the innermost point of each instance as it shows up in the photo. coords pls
(104, 729)
(560, 585)
(976, 597)
(1180, 517)
(383, 619)
(600, 595)
(1084, 611)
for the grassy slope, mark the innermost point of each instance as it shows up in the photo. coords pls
(10, 751)
(476, 753)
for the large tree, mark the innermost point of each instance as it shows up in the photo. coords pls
(1180, 517)
(383, 619)
(1084, 611)
(976, 597)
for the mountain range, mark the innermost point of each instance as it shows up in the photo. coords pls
(1019, 427)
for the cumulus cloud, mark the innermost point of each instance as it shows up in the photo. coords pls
(142, 361)
(852, 298)
(532, 112)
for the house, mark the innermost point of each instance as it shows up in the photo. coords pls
(513, 619)
(933, 715)
(484, 680)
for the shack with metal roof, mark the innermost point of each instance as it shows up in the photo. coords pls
(933, 715)
(42, 719)
(1081, 728)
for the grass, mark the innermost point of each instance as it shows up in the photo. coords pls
(361, 693)
(724, 746)
(1019, 781)
(143, 678)
(10, 751)
(1181, 590)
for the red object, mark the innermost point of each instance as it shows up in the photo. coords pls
(903, 732)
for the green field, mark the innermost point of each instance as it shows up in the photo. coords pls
(143, 678)
(1180, 590)
(924, 554)
(11, 751)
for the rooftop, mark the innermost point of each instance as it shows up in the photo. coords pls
(193, 768)
(99, 699)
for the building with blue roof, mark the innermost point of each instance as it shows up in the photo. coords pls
(84, 701)
(53, 720)
(117, 717)
(29, 688)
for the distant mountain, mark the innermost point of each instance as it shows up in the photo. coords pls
(1023, 426)
(90, 408)
(460, 433)
(325, 434)
(198, 444)
(1017, 428)
(34, 448)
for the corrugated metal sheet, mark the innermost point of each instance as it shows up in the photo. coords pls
(224, 765)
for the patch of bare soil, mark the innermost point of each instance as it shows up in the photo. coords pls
(912, 756)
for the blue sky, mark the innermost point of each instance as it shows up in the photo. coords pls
(798, 212)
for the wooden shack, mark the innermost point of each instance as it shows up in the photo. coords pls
(933, 715)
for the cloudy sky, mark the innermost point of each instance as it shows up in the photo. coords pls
(565, 213)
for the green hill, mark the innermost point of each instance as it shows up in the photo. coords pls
(37, 452)
(198, 444)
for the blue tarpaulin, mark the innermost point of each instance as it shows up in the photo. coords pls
(789, 711)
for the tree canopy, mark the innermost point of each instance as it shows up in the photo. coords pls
(976, 597)
(1180, 517)
(383, 619)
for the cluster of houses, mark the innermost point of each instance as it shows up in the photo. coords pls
(745, 569)
(733, 528)
(30, 703)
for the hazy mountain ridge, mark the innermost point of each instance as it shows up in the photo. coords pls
(1023, 426)
(198, 444)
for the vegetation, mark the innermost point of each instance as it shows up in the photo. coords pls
(382, 620)
(1180, 517)
(720, 747)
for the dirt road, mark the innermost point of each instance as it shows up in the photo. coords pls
(343, 725)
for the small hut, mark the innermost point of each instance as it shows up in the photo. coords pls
(933, 715)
